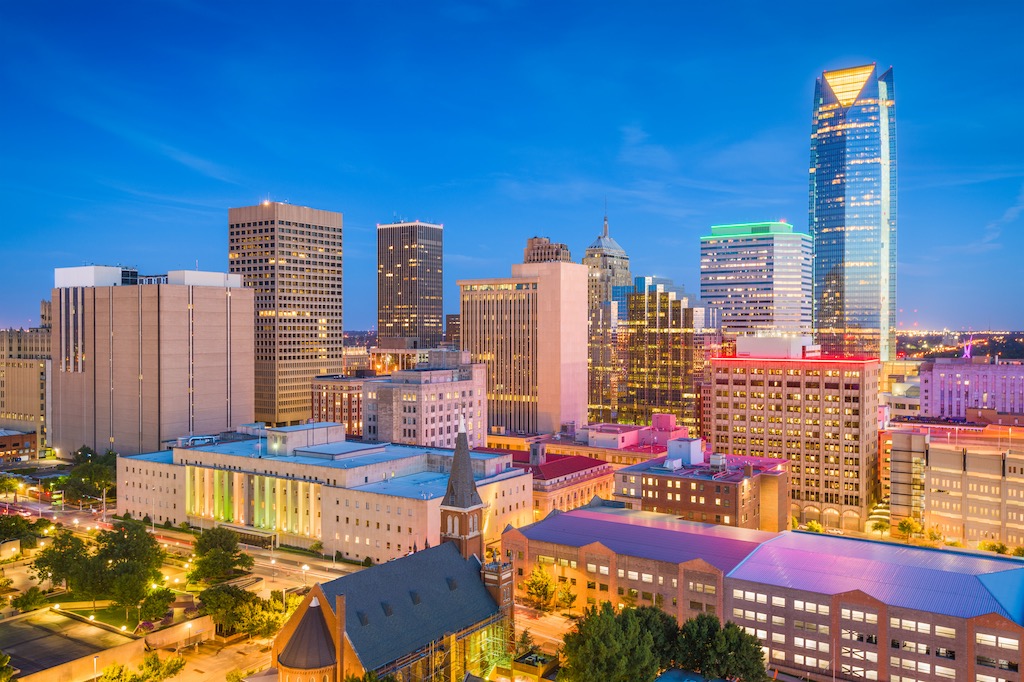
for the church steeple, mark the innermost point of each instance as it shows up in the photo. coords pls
(462, 508)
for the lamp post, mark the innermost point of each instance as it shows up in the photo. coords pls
(273, 565)
(305, 567)
(95, 667)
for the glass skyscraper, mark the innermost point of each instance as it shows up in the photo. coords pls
(853, 212)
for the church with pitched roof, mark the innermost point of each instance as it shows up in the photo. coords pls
(437, 614)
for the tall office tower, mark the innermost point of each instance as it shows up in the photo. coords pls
(530, 330)
(608, 267)
(543, 250)
(779, 398)
(291, 257)
(853, 212)
(452, 330)
(24, 377)
(136, 365)
(758, 278)
(663, 369)
(409, 287)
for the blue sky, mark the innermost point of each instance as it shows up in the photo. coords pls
(129, 128)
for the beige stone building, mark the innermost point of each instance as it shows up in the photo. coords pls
(967, 483)
(422, 406)
(530, 330)
(339, 398)
(543, 250)
(776, 399)
(136, 365)
(291, 257)
(300, 484)
(24, 377)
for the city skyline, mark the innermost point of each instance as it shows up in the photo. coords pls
(530, 123)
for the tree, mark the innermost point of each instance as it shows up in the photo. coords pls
(908, 527)
(8, 485)
(6, 669)
(33, 598)
(151, 670)
(222, 602)
(317, 547)
(156, 603)
(525, 644)
(595, 649)
(641, 660)
(1018, 551)
(664, 633)
(58, 561)
(91, 579)
(696, 643)
(880, 526)
(994, 546)
(129, 542)
(218, 556)
(129, 586)
(371, 676)
(564, 596)
(6, 584)
(934, 534)
(815, 527)
(540, 588)
(714, 651)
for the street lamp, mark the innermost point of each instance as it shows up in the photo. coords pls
(305, 567)
(273, 564)
(95, 667)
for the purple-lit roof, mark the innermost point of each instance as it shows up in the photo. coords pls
(648, 535)
(939, 581)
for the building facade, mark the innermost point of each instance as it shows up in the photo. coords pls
(757, 276)
(300, 484)
(423, 406)
(607, 267)
(339, 398)
(17, 446)
(824, 607)
(410, 292)
(25, 378)
(139, 364)
(432, 615)
(543, 250)
(663, 369)
(291, 257)
(530, 330)
(746, 492)
(775, 399)
(853, 212)
(951, 387)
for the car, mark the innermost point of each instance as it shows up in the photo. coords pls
(834, 531)
(24, 512)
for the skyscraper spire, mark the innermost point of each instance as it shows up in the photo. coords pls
(605, 232)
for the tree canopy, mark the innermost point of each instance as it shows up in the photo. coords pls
(218, 556)
(608, 646)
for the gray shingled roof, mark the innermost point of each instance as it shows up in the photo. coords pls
(397, 608)
(310, 647)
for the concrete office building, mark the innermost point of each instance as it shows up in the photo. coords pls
(779, 398)
(530, 330)
(951, 387)
(824, 608)
(410, 292)
(452, 330)
(135, 365)
(758, 277)
(965, 482)
(25, 378)
(291, 257)
(423, 406)
(339, 398)
(296, 485)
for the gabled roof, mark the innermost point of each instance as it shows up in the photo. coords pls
(939, 581)
(399, 607)
(310, 646)
(648, 535)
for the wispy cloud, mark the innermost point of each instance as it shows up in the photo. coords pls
(989, 240)
(637, 151)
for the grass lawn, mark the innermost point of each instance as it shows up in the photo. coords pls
(113, 615)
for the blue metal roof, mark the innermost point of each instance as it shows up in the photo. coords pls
(648, 535)
(934, 580)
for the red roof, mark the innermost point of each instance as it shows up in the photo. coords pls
(555, 466)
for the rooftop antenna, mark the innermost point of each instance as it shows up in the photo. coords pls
(605, 233)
